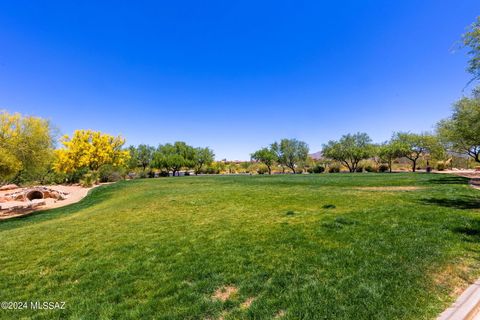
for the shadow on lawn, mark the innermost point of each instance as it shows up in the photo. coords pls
(448, 180)
(469, 229)
(457, 203)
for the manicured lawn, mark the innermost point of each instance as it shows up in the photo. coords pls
(300, 247)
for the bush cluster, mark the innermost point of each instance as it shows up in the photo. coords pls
(316, 169)
(383, 168)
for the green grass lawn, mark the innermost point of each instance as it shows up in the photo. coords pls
(300, 247)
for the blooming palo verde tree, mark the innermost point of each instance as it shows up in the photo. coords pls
(90, 149)
(26, 147)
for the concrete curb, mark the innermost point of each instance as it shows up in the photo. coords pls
(466, 307)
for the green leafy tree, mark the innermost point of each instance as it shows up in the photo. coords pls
(145, 155)
(461, 132)
(388, 152)
(203, 157)
(174, 157)
(133, 158)
(350, 150)
(414, 146)
(266, 156)
(290, 152)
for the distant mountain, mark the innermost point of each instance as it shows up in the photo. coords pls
(316, 155)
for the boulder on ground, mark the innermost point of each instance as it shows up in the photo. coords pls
(28, 194)
(8, 187)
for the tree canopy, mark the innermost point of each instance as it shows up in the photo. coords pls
(203, 157)
(90, 149)
(388, 152)
(413, 146)
(461, 132)
(173, 157)
(290, 152)
(26, 147)
(350, 150)
(140, 156)
(471, 40)
(266, 156)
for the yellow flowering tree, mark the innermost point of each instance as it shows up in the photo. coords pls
(26, 147)
(90, 149)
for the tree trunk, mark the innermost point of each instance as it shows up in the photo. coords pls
(390, 166)
(414, 168)
(269, 170)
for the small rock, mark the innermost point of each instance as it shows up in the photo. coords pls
(37, 203)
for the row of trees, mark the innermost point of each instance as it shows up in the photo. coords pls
(28, 153)
(170, 157)
(27, 148)
(351, 149)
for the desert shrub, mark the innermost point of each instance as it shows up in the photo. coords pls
(76, 175)
(89, 179)
(316, 169)
(212, 170)
(142, 174)
(440, 166)
(53, 178)
(111, 174)
(359, 169)
(262, 170)
(163, 174)
(333, 169)
(383, 168)
(370, 168)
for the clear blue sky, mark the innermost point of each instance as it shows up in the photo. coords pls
(234, 75)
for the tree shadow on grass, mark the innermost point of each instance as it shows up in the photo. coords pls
(448, 180)
(457, 203)
(469, 229)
